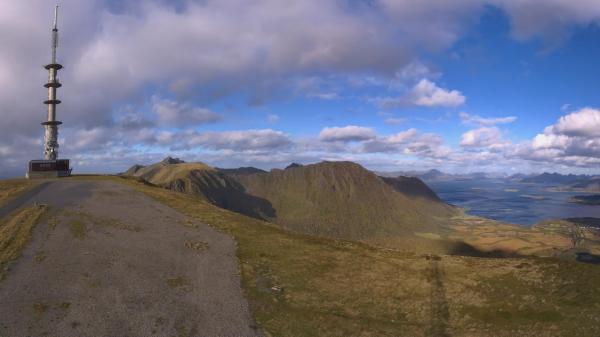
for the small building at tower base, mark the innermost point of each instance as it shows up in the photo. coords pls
(47, 169)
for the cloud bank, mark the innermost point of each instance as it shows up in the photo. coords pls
(178, 58)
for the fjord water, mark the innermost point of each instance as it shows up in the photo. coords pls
(513, 202)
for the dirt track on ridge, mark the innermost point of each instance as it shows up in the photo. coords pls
(109, 261)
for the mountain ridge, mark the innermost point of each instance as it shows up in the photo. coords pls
(335, 199)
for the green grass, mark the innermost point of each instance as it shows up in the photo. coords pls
(300, 285)
(343, 200)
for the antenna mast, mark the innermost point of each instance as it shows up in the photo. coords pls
(55, 34)
(51, 166)
(51, 125)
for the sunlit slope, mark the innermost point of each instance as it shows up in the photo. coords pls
(335, 199)
(205, 181)
(344, 200)
(301, 285)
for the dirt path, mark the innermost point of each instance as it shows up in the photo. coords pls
(110, 261)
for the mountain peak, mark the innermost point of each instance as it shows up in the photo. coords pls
(171, 160)
(293, 165)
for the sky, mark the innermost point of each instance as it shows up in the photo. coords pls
(508, 86)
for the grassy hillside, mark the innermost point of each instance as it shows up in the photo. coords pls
(335, 199)
(344, 200)
(241, 171)
(299, 285)
(205, 181)
(412, 187)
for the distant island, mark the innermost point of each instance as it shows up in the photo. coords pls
(592, 200)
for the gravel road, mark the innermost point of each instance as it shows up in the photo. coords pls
(110, 261)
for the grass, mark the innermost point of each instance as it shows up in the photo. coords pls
(11, 188)
(196, 245)
(300, 285)
(15, 233)
(78, 228)
(178, 282)
(40, 309)
(79, 222)
(343, 200)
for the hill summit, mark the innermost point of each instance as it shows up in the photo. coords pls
(200, 179)
(343, 199)
(334, 199)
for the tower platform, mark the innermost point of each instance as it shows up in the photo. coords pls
(45, 169)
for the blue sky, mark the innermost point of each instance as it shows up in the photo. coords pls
(469, 85)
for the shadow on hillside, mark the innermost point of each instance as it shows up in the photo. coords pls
(588, 258)
(237, 200)
(587, 221)
(412, 187)
(460, 248)
(438, 301)
(226, 193)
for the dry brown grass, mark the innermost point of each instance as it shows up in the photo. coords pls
(544, 240)
(15, 232)
(300, 285)
(165, 174)
(11, 188)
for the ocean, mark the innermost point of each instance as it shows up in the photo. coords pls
(517, 203)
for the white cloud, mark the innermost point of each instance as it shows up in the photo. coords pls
(90, 139)
(409, 142)
(415, 71)
(425, 93)
(482, 137)
(394, 121)
(573, 140)
(326, 96)
(212, 50)
(246, 140)
(346, 134)
(550, 141)
(181, 114)
(583, 123)
(481, 121)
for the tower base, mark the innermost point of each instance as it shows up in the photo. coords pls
(45, 169)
